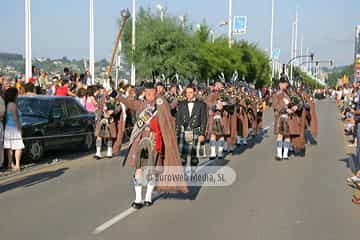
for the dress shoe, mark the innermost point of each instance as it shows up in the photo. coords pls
(148, 204)
(136, 205)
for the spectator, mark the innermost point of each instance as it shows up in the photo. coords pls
(43, 79)
(2, 113)
(30, 89)
(63, 90)
(81, 96)
(13, 139)
(67, 75)
(90, 102)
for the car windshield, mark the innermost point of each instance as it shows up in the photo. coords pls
(34, 107)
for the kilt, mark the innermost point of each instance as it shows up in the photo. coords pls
(189, 149)
(105, 129)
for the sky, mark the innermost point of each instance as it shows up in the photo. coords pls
(61, 28)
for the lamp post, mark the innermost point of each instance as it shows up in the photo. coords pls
(272, 39)
(162, 11)
(182, 21)
(28, 51)
(133, 70)
(92, 43)
(230, 23)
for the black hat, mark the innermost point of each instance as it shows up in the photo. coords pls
(148, 85)
(284, 79)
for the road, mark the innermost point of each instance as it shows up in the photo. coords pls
(303, 198)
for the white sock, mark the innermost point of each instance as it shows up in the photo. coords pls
(138, 193)
(109, 152)
(225, 147)
(98, 147)
(245, 141)
(212, 151)
(98, 151)
(220, 151)
(285, 154)
(238, 140)
(149, 190)
(279, 152)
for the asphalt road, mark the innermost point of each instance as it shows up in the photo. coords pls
(303, 198)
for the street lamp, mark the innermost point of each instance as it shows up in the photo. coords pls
(212, 35)
(92, 43)
(28, 51)
(272, 39)
(162, 11)
(182, 21)
(230, 23)
(133, 70)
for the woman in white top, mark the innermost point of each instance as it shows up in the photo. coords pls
(13, 140)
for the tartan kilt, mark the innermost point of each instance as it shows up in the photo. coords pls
(188, 149)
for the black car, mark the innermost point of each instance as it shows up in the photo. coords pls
(50, 123)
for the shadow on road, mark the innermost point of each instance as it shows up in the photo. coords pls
(350, 162)
(32, 180)
(194, 190)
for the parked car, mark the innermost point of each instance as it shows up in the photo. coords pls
(53, 123)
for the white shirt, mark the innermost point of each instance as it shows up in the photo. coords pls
(190, 107)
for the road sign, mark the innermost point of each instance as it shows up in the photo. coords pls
(276, 54)
(240, 25)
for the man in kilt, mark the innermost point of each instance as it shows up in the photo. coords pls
(153, 147)
(191, 120)
(283, 112)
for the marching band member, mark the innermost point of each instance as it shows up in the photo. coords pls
(152, 144)
(191, 119)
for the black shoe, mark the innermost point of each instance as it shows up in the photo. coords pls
(148, 204)
(97, 157)
(109, 157)
(278, 158)
(286, 158)
(194, 162)
(212, 158)
(137, 205)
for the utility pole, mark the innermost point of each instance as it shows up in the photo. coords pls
(272, 39)
(296, 33)
(133, 70)
(28, 44)
(230, 23)
(92, 43)
(292, 51)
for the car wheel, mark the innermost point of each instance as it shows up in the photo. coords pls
(35, 150)
(88, 141)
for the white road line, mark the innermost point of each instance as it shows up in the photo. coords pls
(114, 220)
(130, 211)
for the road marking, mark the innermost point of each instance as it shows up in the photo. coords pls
(114, 220)
(130, 211)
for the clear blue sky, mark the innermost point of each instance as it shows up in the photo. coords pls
(60, 27)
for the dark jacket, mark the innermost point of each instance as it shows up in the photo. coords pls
(198, 118)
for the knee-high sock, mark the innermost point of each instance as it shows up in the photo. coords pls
(279, 149)
(150, 189)
(212, 148)
(287, 146)
(221, 144)
(109, 148)
(138, 190)
(98, 147)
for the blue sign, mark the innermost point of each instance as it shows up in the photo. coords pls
(276, 54)
(240, 24)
